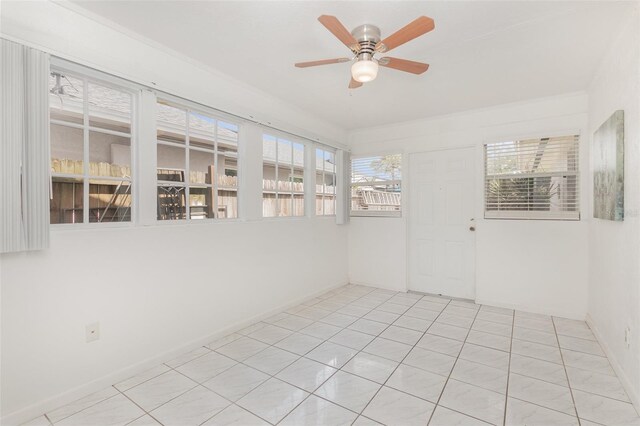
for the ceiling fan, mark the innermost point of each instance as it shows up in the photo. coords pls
(365, 42)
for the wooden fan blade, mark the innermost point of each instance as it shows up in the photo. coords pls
(337, 29)
(420, 26)
(321, 62)
(403, 65)
(354, 84)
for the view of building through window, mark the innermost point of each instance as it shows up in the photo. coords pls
(282, 177)
(376, 184)
(325, 182)
(90, 150)
(92, 128)
(197, 161)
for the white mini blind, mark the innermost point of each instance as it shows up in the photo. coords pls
(376, 184)
(533, 179)
(24, 148)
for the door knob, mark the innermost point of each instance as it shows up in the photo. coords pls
(472, 228)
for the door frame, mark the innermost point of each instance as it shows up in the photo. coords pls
(407, 206)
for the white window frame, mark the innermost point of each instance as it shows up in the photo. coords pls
(88, 75)
(188, 108)
(305, 167)
(144, 156)
(533, 214)
(377, 213)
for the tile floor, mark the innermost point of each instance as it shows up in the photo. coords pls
(365, 356)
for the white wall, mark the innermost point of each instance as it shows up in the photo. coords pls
(614, 247)
(154, 289)
(377, 256)
(377, 247)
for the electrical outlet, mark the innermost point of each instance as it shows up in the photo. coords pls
(627, 337)
(92, 332)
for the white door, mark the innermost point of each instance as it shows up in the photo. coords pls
(441, 226)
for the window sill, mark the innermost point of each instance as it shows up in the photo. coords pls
(395, 214)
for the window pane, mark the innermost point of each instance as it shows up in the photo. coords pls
(171, 168)
(228, 176)
(109, 155)
(269, 186)
(330, 183)
(298, 156)
(171, 163)
(269, 205)
(171, 123)
(109, 201)
(329, 205)
(66, 205)
(269, 148)
(227, 204)
(284, 187)
(319, 192)
(109, 108)
(171, 202)
(200, 202)
(284, 152)
(319, 205)
(285, 205)
(201, 166)
(66, 94)
(329, 162)
(298, 205)
(376, 184)
(227, 135)
(202, 130)
(67, 149)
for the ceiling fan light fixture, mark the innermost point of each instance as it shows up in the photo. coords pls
(364, 71)
(365, 41)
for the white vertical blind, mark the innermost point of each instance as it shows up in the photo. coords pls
(24, 148)
(533, 179)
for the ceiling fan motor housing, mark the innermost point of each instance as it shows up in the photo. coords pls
(367, 36)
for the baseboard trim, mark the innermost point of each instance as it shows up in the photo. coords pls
(626, 383)
(401, 289)
(535, 310)
(39, 408)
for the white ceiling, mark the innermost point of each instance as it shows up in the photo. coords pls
(481, 53)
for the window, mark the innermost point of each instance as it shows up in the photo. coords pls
(325, 182)
(91, 134)
(192, 148)
(282, 177)
(532, 179)
(376, 184)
